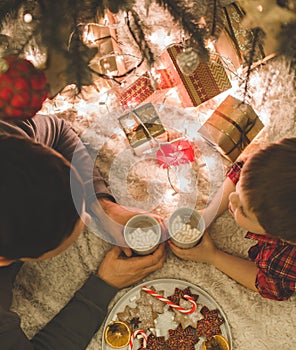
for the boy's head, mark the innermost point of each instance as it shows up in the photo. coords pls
(37, 212)
(268, 182)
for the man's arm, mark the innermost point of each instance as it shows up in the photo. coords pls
(76, 323)
(74, 326)
(71, 329)
(57, 134)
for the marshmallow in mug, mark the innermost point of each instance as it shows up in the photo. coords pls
(142, 233)
(184, 232)
(142, 239)
(186, 227)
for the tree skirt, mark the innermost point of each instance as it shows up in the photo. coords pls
(43, 288)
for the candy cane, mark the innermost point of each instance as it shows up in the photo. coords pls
(170, 303)
(133, 336)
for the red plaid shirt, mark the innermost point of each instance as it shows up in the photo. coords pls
(275, 259)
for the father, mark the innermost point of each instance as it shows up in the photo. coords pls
(38, 220)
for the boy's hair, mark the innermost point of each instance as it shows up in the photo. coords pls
(37, 211)
(269, 181)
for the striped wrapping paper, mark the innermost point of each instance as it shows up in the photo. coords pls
(207, 81)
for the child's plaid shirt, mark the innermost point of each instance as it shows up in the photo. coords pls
(275, 259)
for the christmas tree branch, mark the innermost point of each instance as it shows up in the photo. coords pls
(139, 37)
(182, 15)
(214, 18)
(115, 5)
(9, 8)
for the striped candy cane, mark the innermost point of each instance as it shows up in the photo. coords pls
(170, 303)
(133, 336)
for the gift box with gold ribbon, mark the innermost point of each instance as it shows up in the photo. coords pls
(231, 127)
(143, 128)
(208, 80)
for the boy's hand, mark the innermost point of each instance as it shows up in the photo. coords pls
(203, 252)
(121, 272)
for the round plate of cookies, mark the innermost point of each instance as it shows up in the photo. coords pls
(166, 314)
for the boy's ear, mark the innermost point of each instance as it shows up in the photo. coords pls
(5, 261)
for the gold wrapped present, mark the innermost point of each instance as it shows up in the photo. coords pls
(207, 81)
(143, 128)
(235, 41)
(231, 127)
(103, 35)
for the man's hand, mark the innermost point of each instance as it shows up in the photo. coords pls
(121, 272)
(113, 218)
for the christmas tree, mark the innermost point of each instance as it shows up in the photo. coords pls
(52, 33)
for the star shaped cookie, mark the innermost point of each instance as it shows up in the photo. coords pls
(156, 343)
(188, 319)
(179, 294)
(147, 300)
(210, 324)
(145, 317)
(182, 339)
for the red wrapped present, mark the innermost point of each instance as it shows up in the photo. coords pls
(138, 91)
(144, 87)
(175, 153)
(207, 81)
(162, 78)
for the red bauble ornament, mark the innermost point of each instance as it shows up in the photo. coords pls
(23, 88)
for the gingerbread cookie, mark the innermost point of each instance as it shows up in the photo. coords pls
(125, 315)
(138, 317)
(179, 294)
(187, 320)
(147, 300)
(156, 343)
(210, 324)
(182, 339)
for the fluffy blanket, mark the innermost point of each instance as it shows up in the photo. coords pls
(42, 289)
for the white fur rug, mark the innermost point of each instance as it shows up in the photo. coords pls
(42, 289)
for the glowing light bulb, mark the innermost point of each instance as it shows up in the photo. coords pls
(260, 8)
(28, 18)
(161, 38)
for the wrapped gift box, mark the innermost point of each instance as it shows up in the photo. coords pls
(104, 37)
(163, 79)
(143, 88)
(143, 128)
(231, 127)
(207, 81)
(138, 91)
(235, 40)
